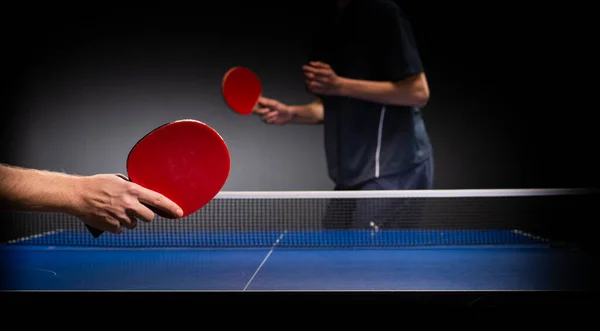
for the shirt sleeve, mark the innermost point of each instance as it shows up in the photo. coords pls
(400, 54)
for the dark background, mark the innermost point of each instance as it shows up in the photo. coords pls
(82, 85)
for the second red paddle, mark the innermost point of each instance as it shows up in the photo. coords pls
(241, 89)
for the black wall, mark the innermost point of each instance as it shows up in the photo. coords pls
(506, 106)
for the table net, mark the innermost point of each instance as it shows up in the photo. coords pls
(334, 219)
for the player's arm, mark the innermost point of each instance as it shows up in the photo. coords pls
(410, 91)
(103, 201)
(403, 82)
(311, 113)
(36, 190)
(273, 111)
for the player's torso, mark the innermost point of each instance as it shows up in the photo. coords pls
(364, 139)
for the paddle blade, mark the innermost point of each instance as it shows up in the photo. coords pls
(187, 161)
(241, 89)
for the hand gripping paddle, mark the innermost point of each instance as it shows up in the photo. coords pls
(187, 161)
(241, 89)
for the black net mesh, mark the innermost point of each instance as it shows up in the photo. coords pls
(332, 219)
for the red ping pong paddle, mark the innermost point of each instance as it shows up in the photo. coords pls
(187, 161)
(241, 89)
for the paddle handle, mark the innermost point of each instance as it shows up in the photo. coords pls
(95, 232)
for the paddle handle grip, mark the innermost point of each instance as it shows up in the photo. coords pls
(95, 232)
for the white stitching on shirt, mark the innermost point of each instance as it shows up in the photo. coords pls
(379, 134)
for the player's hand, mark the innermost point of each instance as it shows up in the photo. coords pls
(273, 112)
(107, 202)
(321, 79)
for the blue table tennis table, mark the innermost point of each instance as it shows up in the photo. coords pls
(304, 260)
(524, 267)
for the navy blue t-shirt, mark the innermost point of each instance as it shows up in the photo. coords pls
(372, 41)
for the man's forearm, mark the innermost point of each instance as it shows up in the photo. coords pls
(412, 91)
(311, 113)
(37, 190)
